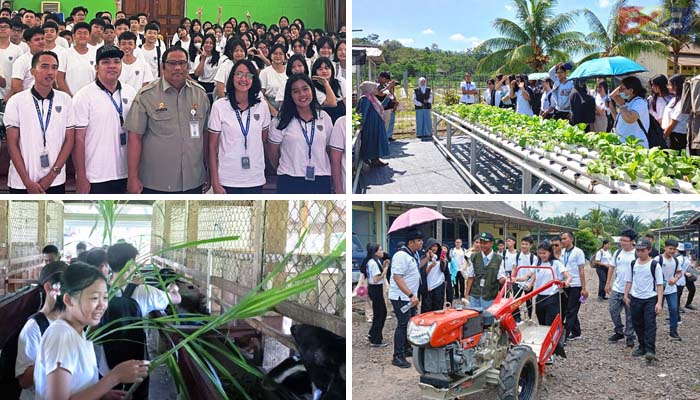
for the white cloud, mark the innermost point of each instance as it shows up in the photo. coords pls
(428, 31)
(405, 41)
(473, 41)
(509, 7)
(603, 3)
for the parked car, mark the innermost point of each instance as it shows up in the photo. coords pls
(358, 254)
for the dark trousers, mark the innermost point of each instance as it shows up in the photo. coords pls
(644, 322)
(528, 303)
(197, 190)
(561, 115)
(433, 299)
(449, 289)
(298, 185)
(679, 292)
(60, 189)
(678, 141)
(376, 295)
(602, 276)
(401, 344)
(573, 325)
(459, 285)
(117, 186)
(691, 292)
(547, 309)
(245, 190)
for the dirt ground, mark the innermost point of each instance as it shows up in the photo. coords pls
(594, 369)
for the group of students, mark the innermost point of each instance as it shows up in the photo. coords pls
(288, 80)
(55, 358)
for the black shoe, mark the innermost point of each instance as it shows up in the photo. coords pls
(638, 352)
(382, 344)
(650, 356)
(408, 354)
(682, 311)
(616, 337)
(675, 337)
(400, 362)
(629, 343)
(690, 307)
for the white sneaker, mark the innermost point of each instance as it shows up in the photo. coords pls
(550, 361)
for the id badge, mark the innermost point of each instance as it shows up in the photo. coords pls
(310, 174)
(482, 282)
(245, 162)
(44, 159)
(194, 129)
(122, 138)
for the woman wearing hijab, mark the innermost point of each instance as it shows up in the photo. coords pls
(423, 100)
(374, 142)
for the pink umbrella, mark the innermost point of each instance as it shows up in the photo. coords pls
(415, 216)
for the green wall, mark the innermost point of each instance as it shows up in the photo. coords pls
(266, 11)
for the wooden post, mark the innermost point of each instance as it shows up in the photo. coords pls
(192, 234)
(41, 221)
(275, 237)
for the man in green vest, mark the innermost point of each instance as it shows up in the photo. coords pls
(485, 274)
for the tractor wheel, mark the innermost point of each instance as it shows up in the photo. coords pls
(519, 377)
(419, 359)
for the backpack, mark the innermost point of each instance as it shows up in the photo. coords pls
(652, 268)
(655, 134)
(8, 358)
(127, 344)
(535, 100)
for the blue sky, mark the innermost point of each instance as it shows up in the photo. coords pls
(453, 24)
(646, 210)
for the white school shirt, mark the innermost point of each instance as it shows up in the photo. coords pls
(61, 54)
(625, 129)
(337, 142)
(487, 97)
(224, 123)
(467, 98)
(374, 270)
(321, 95)
(684, 264)
(105, 157)
(136, 74)
(151, 58)
(668, 268)
(524, 260)
(508, 261)
(522, 106)
(24, 47)
(20, 112)
(661, 103)
(209, 71)
(603, 256)
(673, 111)
(27, 349)
(542, 276)
(225, 67)
(436, 276)
(643, 284)
(22, 70)
(272, 81)
(294, 150)
(62, 345)
(406, 266)
(7, 58)
(61, 41)
(572, 259)
(80, 69)
(622, 264)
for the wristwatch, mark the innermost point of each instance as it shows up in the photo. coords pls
(56, 170)
(410, 295)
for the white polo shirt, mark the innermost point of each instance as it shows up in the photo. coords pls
(151, 58)
(20, 112)
(22, 70)
(528, 259)
(136, 74)
(622, 260)
(684, 265)
(373, 269)
(337, 142)
(669, 266)
(27, 349)
(643, 283)
(80, 69)
(603, 256)
(467, 98)
(572, 259)
(321, 95)
(294, 150)
(224, 123)
(225, 67)
(61, 54)
(406, 266)
(7, 58)
(543, 276)
(272, 81)
(209, 71)
(105, 157)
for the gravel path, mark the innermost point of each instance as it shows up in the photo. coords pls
(594, 369)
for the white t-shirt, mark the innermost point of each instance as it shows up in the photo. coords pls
(27, 349)
(497, 97)
(522, 106)
(7, 58)
(660, 107)
(622, 262)
(61, 41)
(406, 266)
(372, 271)
(20, 112)
(151, 58)
(272, 81)
(294, 150)
(467, 98)
(529, 259)
(337, 142)
(572, 259)
(224, 123)
(209, 72)
(684, 265)
(643, 283)
(625, 129)
(61, 53)
(225, 67)
(23, 46)
(457, 255)
(509, 261)
(668, 268)
(603, 256)
(62, 345)
(436, 276)
(673, 112)
(136, 74)
(542, 276)
(321, 95)
(80, 69)
(105, 156)
(22, 70)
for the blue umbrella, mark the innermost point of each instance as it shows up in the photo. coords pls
(606, 67)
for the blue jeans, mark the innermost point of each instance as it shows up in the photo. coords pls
(673, 313)
(479, 302)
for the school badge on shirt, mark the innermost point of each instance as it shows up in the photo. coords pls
(320, 128)
(257, 117)
(136, 72)
(58, 109)
(125, 100)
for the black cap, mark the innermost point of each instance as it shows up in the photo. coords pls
(486, 237)
(671, 242)
(643, 244)
(108, 51)
(413, 233)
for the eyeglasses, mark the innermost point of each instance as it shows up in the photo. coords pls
(174, 63)
(246, 75)
(555, 245)
(4, 27)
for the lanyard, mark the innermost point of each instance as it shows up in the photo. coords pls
(245, 130)
(567, 254)
(40, 115)
(309, 142)
(119, 107)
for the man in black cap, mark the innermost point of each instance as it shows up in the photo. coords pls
(643, 294)
(485, 272)
(99, 154)
(403, 290)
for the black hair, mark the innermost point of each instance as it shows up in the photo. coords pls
(300, 41)
(289, 108)
(120, 254)
(81, 246)
(491, 82)
(335, 85)
(151, 27)
(569, 233)
(547, 245)
(50, 24)
(629, 233)
(310, 47)
(97, 257)
(231, 45)
(528, 239)
(325, 40)
(172, 49)
(633, 83)
(281, 18)
(127, 35)
(63, 34)
(122, 21)
(97, 21)
(605, 241)
(192, 53)
(649, 235)
(372, 249)
(142, 14)
(337, 46)
(31, 32)
(52, 272)
(255, 87)
(77, 9)
(28, 11)
(81, 25)
(247, 27)
(135, 18)
(661, 81)
(677, 82)
(6, 9)
(109, 27)
(49, 248)
(215, 55)
(500, 241)
(290, 63)
(300, 24)
(75, 279)
(604, 85)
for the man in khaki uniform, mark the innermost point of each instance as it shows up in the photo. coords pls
(167, 142)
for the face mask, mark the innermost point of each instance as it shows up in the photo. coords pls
(624, 96)
(198, 46)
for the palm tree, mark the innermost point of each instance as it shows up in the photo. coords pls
(532, 212)
(535, 39)
(633, 222)
(595, 221)
(676, 42)
(614, 219)
(610, 40)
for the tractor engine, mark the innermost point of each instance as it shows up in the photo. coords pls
(451, 359)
